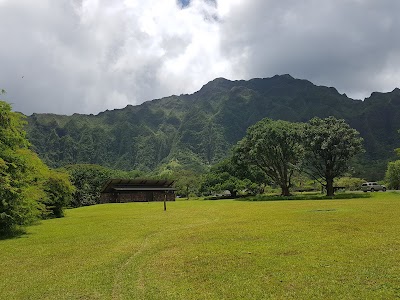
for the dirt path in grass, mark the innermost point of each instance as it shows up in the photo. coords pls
(140, 283)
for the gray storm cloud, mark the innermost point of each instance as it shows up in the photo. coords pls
(91, 55)
(351, 45)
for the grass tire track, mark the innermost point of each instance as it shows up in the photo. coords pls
(140, 285)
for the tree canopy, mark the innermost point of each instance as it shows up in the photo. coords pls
(275, 148)
(393, 175)
(88, 180)
(14, 208)
(27, 190)
(226, 176)
(330, 144)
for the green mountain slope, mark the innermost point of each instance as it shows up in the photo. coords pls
(199, 129)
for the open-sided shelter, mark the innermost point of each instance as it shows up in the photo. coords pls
(137, 190)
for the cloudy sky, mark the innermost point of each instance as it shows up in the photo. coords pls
(87, 56)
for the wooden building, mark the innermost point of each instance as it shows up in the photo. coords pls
(137, 190)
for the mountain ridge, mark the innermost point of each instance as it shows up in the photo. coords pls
(199, 129)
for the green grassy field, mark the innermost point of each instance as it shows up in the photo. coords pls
(319, 249)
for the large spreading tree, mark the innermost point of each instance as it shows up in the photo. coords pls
(330, 143)
(275, 148)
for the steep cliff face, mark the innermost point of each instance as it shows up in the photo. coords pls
(199, 129)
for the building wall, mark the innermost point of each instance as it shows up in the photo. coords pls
(137, 196)
(107, 198)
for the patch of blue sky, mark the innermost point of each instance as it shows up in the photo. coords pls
(183, 3)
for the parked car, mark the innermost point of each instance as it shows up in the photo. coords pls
(372, 187)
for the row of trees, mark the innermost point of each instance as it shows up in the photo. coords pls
(273, 153)
(277, 150)
(29, 190)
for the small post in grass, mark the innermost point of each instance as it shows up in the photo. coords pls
(165, 201)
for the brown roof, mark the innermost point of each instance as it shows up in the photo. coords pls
(113, 185)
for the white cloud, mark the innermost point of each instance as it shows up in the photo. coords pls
(93, 55)
(86, 56)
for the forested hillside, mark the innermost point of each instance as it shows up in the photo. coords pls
(199, 130)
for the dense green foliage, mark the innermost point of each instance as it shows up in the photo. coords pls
(15, 209)
(229, 176)
(393, 175)
(50, 189)
(330, 144)
(89, 179)
(187, 182)
(28, 189)
(275, 148)
(316, 249)
(198, 130)
(59, 191)
(349, 183)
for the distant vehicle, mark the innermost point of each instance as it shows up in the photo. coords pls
(372, 187)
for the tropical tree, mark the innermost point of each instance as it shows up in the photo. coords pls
(50, 190)
(59, 191)
(14, 208)
(275, 148)
(23, 177)
(186, 182)
(224, 176)
(392, 176)
(330, 143)
(89, 179)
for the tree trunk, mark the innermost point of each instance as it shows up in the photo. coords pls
(285, 190)
(329, 187)
(233, 193)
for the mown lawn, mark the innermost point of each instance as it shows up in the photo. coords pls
(319, 249)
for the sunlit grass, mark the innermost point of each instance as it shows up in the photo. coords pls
(319, 249)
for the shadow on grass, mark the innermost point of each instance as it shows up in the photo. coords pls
(308, 196)
(225, 197)
(12, 234)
